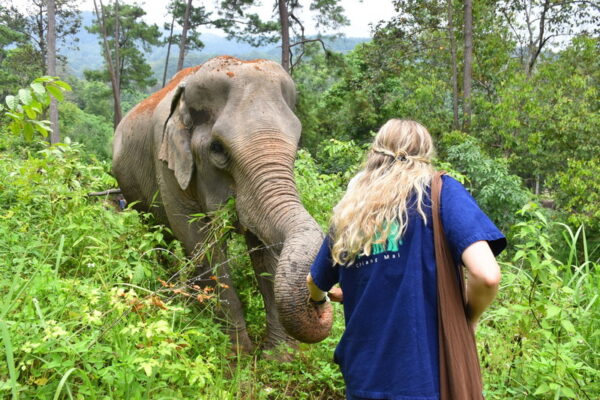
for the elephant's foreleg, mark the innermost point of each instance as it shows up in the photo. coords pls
(264, 262)
(229, 308)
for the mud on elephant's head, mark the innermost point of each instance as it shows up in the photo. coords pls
(231, 129)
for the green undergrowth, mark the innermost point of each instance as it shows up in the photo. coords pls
(94, 303)
(541, 337)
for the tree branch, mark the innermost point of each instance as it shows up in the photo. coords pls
(540, 39)
(310, 41)
(105, 192)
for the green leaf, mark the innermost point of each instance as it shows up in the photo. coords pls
(11, 102)
(15, 116)
(44, 78)
(8, 350)
(543, 388)
(31, 114)
(63, 85)
(147, 367)
(42, 127)
(568, 392)
(55, 92)
(568, 326)
(25, 96)
(62, 383)
(38, 88)
(552, 310)
(37, 107)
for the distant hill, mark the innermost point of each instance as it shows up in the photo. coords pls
(89, 56)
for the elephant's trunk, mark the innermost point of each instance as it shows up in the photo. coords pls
(268, 205)
(300, 319)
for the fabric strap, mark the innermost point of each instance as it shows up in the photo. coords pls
(460, 373)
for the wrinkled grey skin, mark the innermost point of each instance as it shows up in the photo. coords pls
(228, 129)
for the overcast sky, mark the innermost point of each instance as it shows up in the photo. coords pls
(360, 14)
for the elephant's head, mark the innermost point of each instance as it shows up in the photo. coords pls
(232, 130)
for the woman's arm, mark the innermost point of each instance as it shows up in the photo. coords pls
(483, 278)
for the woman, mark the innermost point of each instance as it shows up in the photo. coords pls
(381, 252)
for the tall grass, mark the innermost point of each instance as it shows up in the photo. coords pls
(542, 338)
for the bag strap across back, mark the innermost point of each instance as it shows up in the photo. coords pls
(460, 373)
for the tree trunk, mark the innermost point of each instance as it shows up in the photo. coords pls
(168, 51)
(468, 69)
(111, 68)
(117, 51)
(51, 70)
(455, 122)
(183, 42)
(41, 33)
(284, 20)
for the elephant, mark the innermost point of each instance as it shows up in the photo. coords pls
(224, 129)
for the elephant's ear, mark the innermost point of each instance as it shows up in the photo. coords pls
(176, 148)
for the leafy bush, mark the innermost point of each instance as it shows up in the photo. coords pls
(499, 193)
(336, 156)
(93, 131)
(577, 192)
(319, 192)
(27, 107)
(82, 308)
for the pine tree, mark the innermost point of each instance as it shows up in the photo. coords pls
(123, 33)
(286, 27)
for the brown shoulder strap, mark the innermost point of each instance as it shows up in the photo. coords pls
(460, 374)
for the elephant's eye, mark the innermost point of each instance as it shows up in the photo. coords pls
(218, 154)
(217, 147)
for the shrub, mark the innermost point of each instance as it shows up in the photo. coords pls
(93, 131)
(27, 108)
(540, 338)
(343, 157)
(319, 192)
(577, 192)
(499, 193)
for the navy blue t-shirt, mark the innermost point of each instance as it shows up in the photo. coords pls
(389, 349)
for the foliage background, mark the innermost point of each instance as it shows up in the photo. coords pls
(93, 302)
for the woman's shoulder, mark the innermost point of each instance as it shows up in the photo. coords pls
(452, 185)
(450, 180)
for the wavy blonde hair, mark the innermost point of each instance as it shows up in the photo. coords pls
(397, 167)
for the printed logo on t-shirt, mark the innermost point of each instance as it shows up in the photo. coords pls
(392, 244)
(391, 248)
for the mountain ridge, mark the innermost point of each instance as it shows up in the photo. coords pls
(88, 54)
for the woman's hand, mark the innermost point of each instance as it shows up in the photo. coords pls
(336, 294)
(316, 294)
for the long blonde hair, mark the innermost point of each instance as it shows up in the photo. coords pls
(397, 166)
